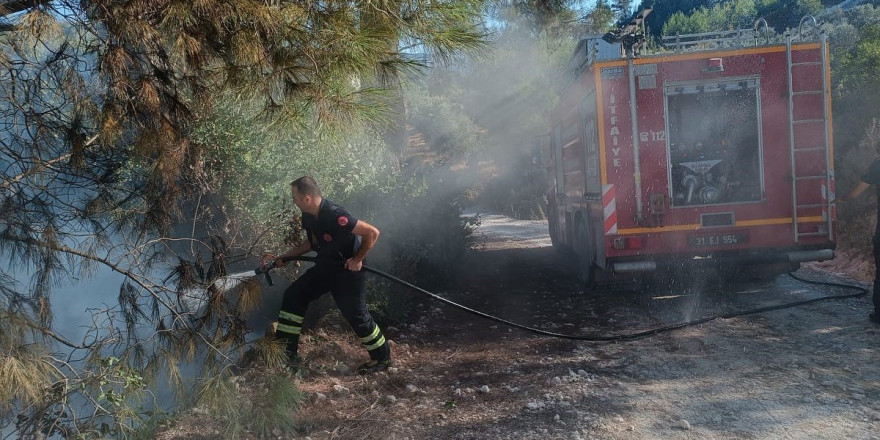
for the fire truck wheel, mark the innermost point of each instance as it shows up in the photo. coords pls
(586, 261)
(551, 228)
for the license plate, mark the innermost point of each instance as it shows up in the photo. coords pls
(726, 239)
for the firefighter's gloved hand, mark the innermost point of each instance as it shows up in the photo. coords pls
(270, 259)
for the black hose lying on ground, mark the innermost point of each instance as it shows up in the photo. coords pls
(607, 338)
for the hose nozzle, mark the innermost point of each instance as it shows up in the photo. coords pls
(264, 269)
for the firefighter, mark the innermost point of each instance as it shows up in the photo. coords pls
(341, 243)
(871, 177)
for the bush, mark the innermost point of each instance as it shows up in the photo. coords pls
(444, 124)
(519, 193)
(424, 239)
(856, 218)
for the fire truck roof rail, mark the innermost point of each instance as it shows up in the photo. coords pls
(761, 33)
(711, 40)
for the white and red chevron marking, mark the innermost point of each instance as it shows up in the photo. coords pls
(828, 193)
(609, 206)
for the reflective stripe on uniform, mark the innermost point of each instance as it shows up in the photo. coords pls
(289, 329)
(372, 336)
(290, 317)
(378, 344)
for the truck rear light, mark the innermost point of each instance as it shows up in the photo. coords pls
(627, 243)
(634, 242)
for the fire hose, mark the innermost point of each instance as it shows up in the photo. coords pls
(266, 269)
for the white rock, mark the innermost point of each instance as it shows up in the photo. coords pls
(390, 399)
(342, 368)
(682, 424)
(556, 418)
(320, 396)
(457, 392)
(557, 380)
(341, 390)
(583, 373)
(533, 405)
(411, 388)
(484, 389)
(393, 370)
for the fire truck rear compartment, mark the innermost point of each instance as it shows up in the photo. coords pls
(714, 143)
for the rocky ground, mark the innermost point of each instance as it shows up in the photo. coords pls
(809, 372)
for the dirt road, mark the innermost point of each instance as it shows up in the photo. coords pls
(806, 372)
(809, 372)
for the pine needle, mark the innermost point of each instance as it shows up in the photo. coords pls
(24, 377)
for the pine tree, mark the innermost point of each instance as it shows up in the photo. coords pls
(97, 163)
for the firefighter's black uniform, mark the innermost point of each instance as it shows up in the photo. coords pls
(330, 234)
(872, 176)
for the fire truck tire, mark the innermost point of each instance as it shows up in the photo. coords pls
(553, 227)
(586, 260)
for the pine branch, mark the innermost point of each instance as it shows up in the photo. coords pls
(45, 164)
(6, 235)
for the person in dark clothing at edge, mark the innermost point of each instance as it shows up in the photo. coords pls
(871, 177)
(341, 243)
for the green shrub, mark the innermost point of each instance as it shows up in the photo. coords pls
(424, 239)
(518, 193)
(445, 125)
(856, 218)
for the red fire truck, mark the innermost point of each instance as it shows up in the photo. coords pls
(716, 151)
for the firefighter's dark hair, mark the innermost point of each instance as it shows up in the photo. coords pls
(307, 186)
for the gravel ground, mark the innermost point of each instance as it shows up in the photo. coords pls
(809, 372)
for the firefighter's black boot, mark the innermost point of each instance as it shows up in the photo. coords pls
(295, 365)
(380, 360)
(374, 366)
(291, 348)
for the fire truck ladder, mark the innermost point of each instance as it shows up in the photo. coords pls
(798, 152)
